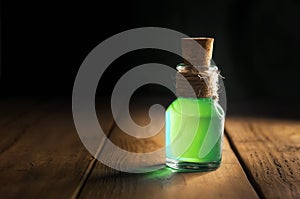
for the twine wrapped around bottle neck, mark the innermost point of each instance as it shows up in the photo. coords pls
(197, 82)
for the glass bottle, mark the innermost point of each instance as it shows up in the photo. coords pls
(194, 129)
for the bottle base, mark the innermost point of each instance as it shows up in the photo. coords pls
(192, 166)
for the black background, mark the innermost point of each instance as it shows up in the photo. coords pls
(256, 43)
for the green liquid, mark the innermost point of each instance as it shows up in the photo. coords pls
(194, 132)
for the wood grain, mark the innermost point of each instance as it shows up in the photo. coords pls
(12, 109)
(43, 156)
(270, 151)
(21, 114)
(229, 181)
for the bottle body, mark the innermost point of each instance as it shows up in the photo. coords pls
(194, 134)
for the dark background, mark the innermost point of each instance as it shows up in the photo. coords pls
(256, 43)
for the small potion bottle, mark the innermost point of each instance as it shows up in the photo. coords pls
(195, 120)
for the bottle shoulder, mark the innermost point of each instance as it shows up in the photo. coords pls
(196, 107)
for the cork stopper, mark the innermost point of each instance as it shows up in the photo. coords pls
(195, 54)
(195, 78)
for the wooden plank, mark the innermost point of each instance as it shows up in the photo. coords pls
(47, 158)
(270, 151)
(106, 122)
(229, 181)
(22, 114)
(12, 109)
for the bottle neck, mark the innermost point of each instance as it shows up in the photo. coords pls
(197, 82)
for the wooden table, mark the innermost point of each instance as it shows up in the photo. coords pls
(41, 156)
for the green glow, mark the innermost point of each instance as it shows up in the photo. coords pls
(165, 172)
